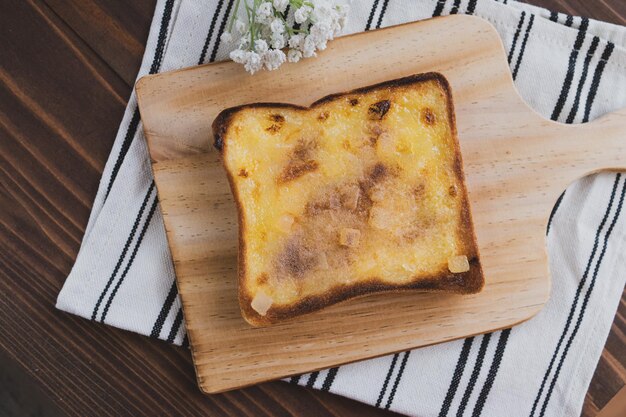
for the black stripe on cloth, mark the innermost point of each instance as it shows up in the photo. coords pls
(312, 379)
(382, 14)
(595, 83)
(209, 35)
(295, 379)
(569, 21)
(165, 310)
(368, 25)
(439, 8)
(516, 36)
(523, 47)
(471, 7)
(455, 7)
(456, 377)
(582, 282)
(493, 371)
(133, 230)
(478, 366)
(554, 16)
(218, 39)
(330, 378)
(128, 139)
(583, 78)
(160, 46)
(130, 260)
(398, 379)
(580, 38)
(383, 390)
(154, 68)
(554, 209)
(618, 211)
(176, 326)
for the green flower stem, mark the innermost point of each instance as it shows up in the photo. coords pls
(233, 16)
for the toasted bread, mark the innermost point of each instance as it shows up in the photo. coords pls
(359, 193)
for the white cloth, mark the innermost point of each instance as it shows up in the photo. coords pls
(569, 69)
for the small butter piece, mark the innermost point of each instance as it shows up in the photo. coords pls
(349, 237)
(261, 302)
(285, 222)
(458, 264)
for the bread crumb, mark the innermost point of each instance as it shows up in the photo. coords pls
(322, 262)
(350, 197)
(458, 264)
(349, 237)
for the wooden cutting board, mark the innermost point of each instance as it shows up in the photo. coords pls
(516, 164)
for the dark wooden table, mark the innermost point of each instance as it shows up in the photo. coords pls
(66, 70)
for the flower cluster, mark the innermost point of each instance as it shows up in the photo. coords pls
(271, 28)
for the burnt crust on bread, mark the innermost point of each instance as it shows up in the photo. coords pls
(468, 282)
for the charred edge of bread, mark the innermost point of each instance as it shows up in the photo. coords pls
(469, 282)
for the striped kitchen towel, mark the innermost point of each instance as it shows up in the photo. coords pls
(569, 69)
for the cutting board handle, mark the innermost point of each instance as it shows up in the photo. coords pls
(582, 149)
(603, 144)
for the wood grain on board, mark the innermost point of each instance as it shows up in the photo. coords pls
(45, 198)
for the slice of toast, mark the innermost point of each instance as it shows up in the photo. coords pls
(359, 193)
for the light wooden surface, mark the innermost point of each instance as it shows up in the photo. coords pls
(516, 164)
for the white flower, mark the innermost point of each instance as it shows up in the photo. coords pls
(281, 5)
(226, 37)
(278, 41)
(264, 12)
(277, 26)
(260, 46)
(239, 56)
(294, 55)
(322, 12)
(273, 59)
(296, 41)
(262, 35)
(252, 62)
(302, 14)
(308, 47)
(321, 32)
(240, 27)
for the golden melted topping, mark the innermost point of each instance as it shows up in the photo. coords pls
(353, 190)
